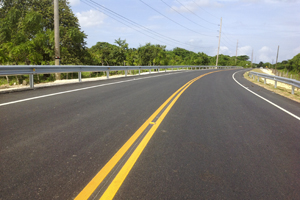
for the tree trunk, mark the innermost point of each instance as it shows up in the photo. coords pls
(57, 76)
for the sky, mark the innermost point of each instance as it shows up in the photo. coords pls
(257, 25)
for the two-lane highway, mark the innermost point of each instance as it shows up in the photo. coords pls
(214, 140)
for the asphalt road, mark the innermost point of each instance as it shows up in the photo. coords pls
(218, 141)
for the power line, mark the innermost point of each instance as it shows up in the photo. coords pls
(205, 10)
(227, 40)
(195, 13)
(126, 20)
(184, 16)
(138, 25)
(134, 23)
(173, 20)
(88, 3)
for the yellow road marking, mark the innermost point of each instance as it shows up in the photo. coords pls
(152, 122)
(96, 181)
(118, 180)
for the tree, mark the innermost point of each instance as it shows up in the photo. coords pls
(26, 33)
(294, 63)
(243, 57)
(151, 54)
(260, 64)
(121, 51)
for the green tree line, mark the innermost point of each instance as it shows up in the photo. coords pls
(27, 38)
(149, 54)
(27, 33)
(292, 65)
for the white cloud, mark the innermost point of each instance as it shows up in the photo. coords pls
(266, 54)
(271, 1)
(90, 18)
(190, 6)
(224, 50)
(74, 2)
(297, 50)
(246, 50)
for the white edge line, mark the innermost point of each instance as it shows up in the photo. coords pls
(284, 110)
(86, 88)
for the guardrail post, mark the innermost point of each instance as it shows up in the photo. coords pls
(275, 84)
(139, 71)
(149, 71)
(265, 82)
(107, 74)
(293, 89)
(126, 73)
(165, 69)
(31, 82)
(79, 76)
(177, 69)
(253, 76)
(257, 78)
(157, 70)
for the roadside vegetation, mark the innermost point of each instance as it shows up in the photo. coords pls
(27, 38)
(286, 68)
(281, 89)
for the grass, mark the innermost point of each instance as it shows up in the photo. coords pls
(279, 90)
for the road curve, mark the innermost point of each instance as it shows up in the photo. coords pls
(218, 141)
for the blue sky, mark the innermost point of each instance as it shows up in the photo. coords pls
(260, 25)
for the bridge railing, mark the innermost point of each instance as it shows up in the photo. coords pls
(7, 70)
(292, 82)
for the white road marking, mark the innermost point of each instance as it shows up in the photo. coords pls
(86, 88)
(284, 110)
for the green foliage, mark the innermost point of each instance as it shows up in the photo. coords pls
(292, 65)
(243, 58)
(27, 36)
(104, 53)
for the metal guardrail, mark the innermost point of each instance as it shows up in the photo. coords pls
(7, 70)
(292, 82)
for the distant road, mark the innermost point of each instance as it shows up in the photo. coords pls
(181, 135)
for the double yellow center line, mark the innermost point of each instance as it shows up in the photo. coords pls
(153, 123)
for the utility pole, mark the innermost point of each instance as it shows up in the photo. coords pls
(252, 58)
(219, 42)
(56, 37)
(237, 44)
(277, 58)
